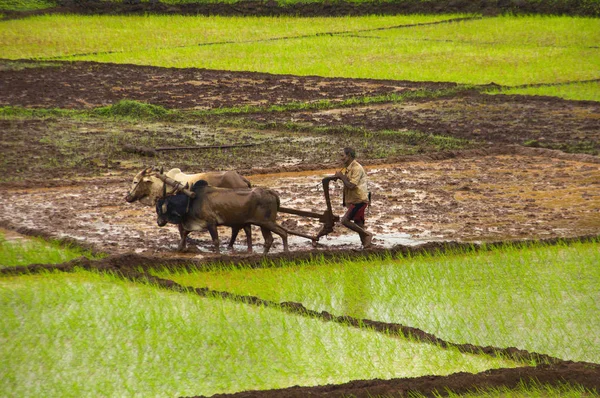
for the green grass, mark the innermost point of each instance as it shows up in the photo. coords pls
(86, 334)
(541, 299)
(64, 35)
(133, 110)
(37, 251)
(576, 91)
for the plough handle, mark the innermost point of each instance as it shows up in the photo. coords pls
(325, 182)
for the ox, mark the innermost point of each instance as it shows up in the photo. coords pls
(215, 206)
(148, 188)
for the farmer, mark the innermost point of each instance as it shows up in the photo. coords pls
(356, 196)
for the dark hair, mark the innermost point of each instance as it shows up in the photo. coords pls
(350, 151)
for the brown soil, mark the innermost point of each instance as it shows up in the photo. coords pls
(500, 191)
(81, 85)
(326, 8)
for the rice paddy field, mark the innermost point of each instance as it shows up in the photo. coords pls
(480, 136)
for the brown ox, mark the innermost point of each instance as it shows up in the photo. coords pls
(231, 207)
(148, 188)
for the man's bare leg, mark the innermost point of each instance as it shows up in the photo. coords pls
(365, 237)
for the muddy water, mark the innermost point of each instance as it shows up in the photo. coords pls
(488, 198)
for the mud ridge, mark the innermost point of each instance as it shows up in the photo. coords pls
(566, 372)
(126, 261)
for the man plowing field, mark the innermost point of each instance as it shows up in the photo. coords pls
(355, 198)
(356, 195)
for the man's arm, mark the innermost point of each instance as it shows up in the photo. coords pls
(349, 184)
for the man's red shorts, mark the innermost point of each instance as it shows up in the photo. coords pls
(356, 212)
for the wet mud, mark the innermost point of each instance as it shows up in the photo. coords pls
(476, 198)
(425, 201)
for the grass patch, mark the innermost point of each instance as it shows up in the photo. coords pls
(543, 298)
(37, 251)
(133, 110)
(86, 334)
(589, 91)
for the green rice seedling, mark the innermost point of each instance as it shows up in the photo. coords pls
(63, 35)
(37, 251)
(541, 299)
(589, 91)
(89, 334)
(527, 50)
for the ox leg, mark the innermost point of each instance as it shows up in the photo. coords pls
(183, 235)
(234, 234)
(248, 232)
(214, 234)
(273, 226)
(268, 236)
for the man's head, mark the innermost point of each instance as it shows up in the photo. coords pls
(348, 155)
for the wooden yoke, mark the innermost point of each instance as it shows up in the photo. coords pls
(179, 187)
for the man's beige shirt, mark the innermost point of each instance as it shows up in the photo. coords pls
(356, 174)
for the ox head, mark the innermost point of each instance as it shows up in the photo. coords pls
(141, 187)
(162, 209)
(171, 209)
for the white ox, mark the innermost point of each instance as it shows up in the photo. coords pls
(147, 188)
